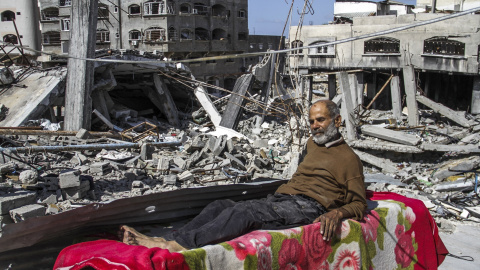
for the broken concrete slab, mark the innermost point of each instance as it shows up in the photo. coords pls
(69, 178)
(31, 102)
(464, 149)
(384, 164)
(457, 117)
(465, 164)
(15, 200)
(385, 146)
(390, 135)
(236, 101)
(27, 211)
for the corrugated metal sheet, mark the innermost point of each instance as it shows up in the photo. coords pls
(167, 207)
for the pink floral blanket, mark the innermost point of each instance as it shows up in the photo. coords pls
(396, 233)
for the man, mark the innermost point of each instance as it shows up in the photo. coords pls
(327, 187)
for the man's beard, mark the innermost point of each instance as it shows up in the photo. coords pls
(330, 133)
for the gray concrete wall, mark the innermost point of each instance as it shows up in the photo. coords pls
(351, 54)
(26, 18)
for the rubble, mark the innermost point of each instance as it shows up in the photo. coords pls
(170, 146)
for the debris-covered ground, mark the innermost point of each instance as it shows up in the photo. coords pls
(48, 182)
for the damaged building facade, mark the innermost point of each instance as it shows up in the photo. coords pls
(19, 26)
(442, 57)
(175, 30)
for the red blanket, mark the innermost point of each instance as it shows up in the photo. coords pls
(273, 249)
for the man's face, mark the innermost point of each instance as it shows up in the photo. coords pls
(323, 127)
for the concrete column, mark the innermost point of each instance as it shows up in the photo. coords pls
(347, 104)
(360, 87)
(411, 91)
(372, 89)
(396, 97)
(476, 95)
(352, 80)
(78, 102)
(332, 86)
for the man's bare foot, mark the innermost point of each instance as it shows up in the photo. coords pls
(130, 236)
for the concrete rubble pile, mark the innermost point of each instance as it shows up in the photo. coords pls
(435, 161)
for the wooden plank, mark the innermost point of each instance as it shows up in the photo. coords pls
(234, 107)
(390, 135)
(78, 103)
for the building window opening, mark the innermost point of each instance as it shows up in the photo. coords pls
(134, 10)
(155, 34)
(10, 38)
(242, 13)
(65, 3)
(65, 24)
(186, 34)
(51, 38)
(200, 9)
(158, 8)
(297, 44)
(219, 34)
(443, 46)
(8, 16)
(50, 14)
(382, 45)
(103, 36)
(172, 34)
(185, 9)
(321, 50)
(103, 13)
(202, 34)
(219, 11)
(135, 35)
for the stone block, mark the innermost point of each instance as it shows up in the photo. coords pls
(75, 193)
(15, 200)
(146, 151)
(100, 168)
(27, 211)
(163, 165)
(262, 143)
(69, 179)
(170, 179)
(51, 182)
(84, 134)
(50, 199)
(180, 162)
(28, 177)
(185, 177)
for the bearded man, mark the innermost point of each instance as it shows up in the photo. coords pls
(327, 187)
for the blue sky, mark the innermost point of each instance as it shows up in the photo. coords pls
(267, 17)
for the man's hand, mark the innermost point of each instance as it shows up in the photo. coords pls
(329, 223)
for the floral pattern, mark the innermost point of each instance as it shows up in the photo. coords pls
(356, 244)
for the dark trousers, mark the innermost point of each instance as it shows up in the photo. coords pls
(224, 220)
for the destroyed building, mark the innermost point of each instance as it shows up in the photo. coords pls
(19, 26)
(171, 29)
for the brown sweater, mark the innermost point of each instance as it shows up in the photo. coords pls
(331, 175)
